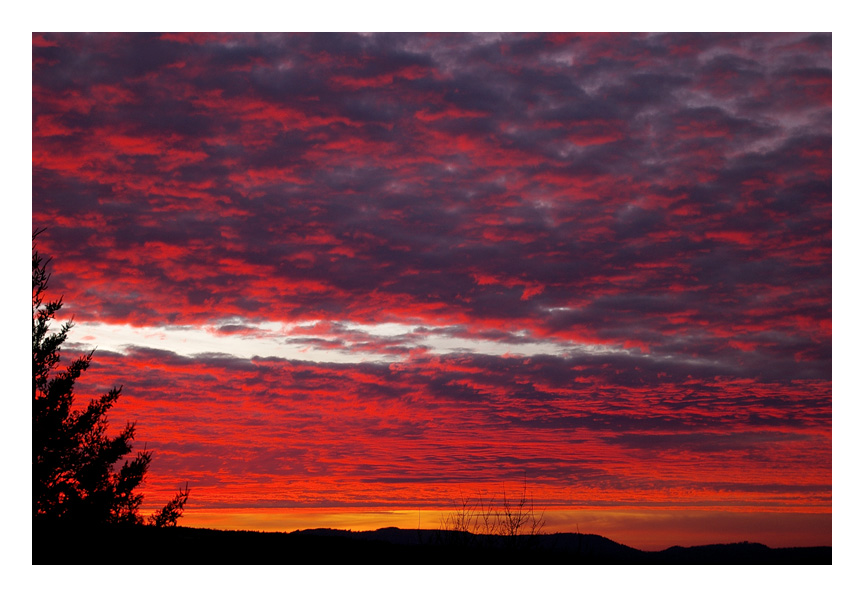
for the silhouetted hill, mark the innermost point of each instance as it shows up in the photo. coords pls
(184, 545)
(742, 553)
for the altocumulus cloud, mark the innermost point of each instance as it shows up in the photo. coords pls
(423, 260)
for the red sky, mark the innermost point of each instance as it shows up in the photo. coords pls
(365, 273)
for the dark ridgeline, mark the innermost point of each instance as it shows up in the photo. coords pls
(144, 544)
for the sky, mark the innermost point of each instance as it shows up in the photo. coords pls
(353, 277)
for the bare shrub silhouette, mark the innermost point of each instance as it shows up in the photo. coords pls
(481, 522)
(519, 518)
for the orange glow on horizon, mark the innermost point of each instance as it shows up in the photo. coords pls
(648, 529)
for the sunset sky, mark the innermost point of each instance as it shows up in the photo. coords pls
(344, 279)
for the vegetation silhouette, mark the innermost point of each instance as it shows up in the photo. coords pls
(76, 483)
(480, 522)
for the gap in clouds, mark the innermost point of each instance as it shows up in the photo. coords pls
(317, 341)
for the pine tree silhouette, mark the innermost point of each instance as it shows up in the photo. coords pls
(75, 480)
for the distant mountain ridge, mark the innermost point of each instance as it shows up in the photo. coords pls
(391, 545)
(576, 548)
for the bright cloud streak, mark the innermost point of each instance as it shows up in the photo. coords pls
(288, 341)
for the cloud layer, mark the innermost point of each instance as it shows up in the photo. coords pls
(604, 260)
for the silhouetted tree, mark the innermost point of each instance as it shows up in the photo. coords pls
(172, 511)
(75, 479)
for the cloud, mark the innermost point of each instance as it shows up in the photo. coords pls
(620, 236)
(604, 425)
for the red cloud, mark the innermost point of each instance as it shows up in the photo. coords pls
(657, 207)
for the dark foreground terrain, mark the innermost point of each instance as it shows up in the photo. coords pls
(183, 545)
